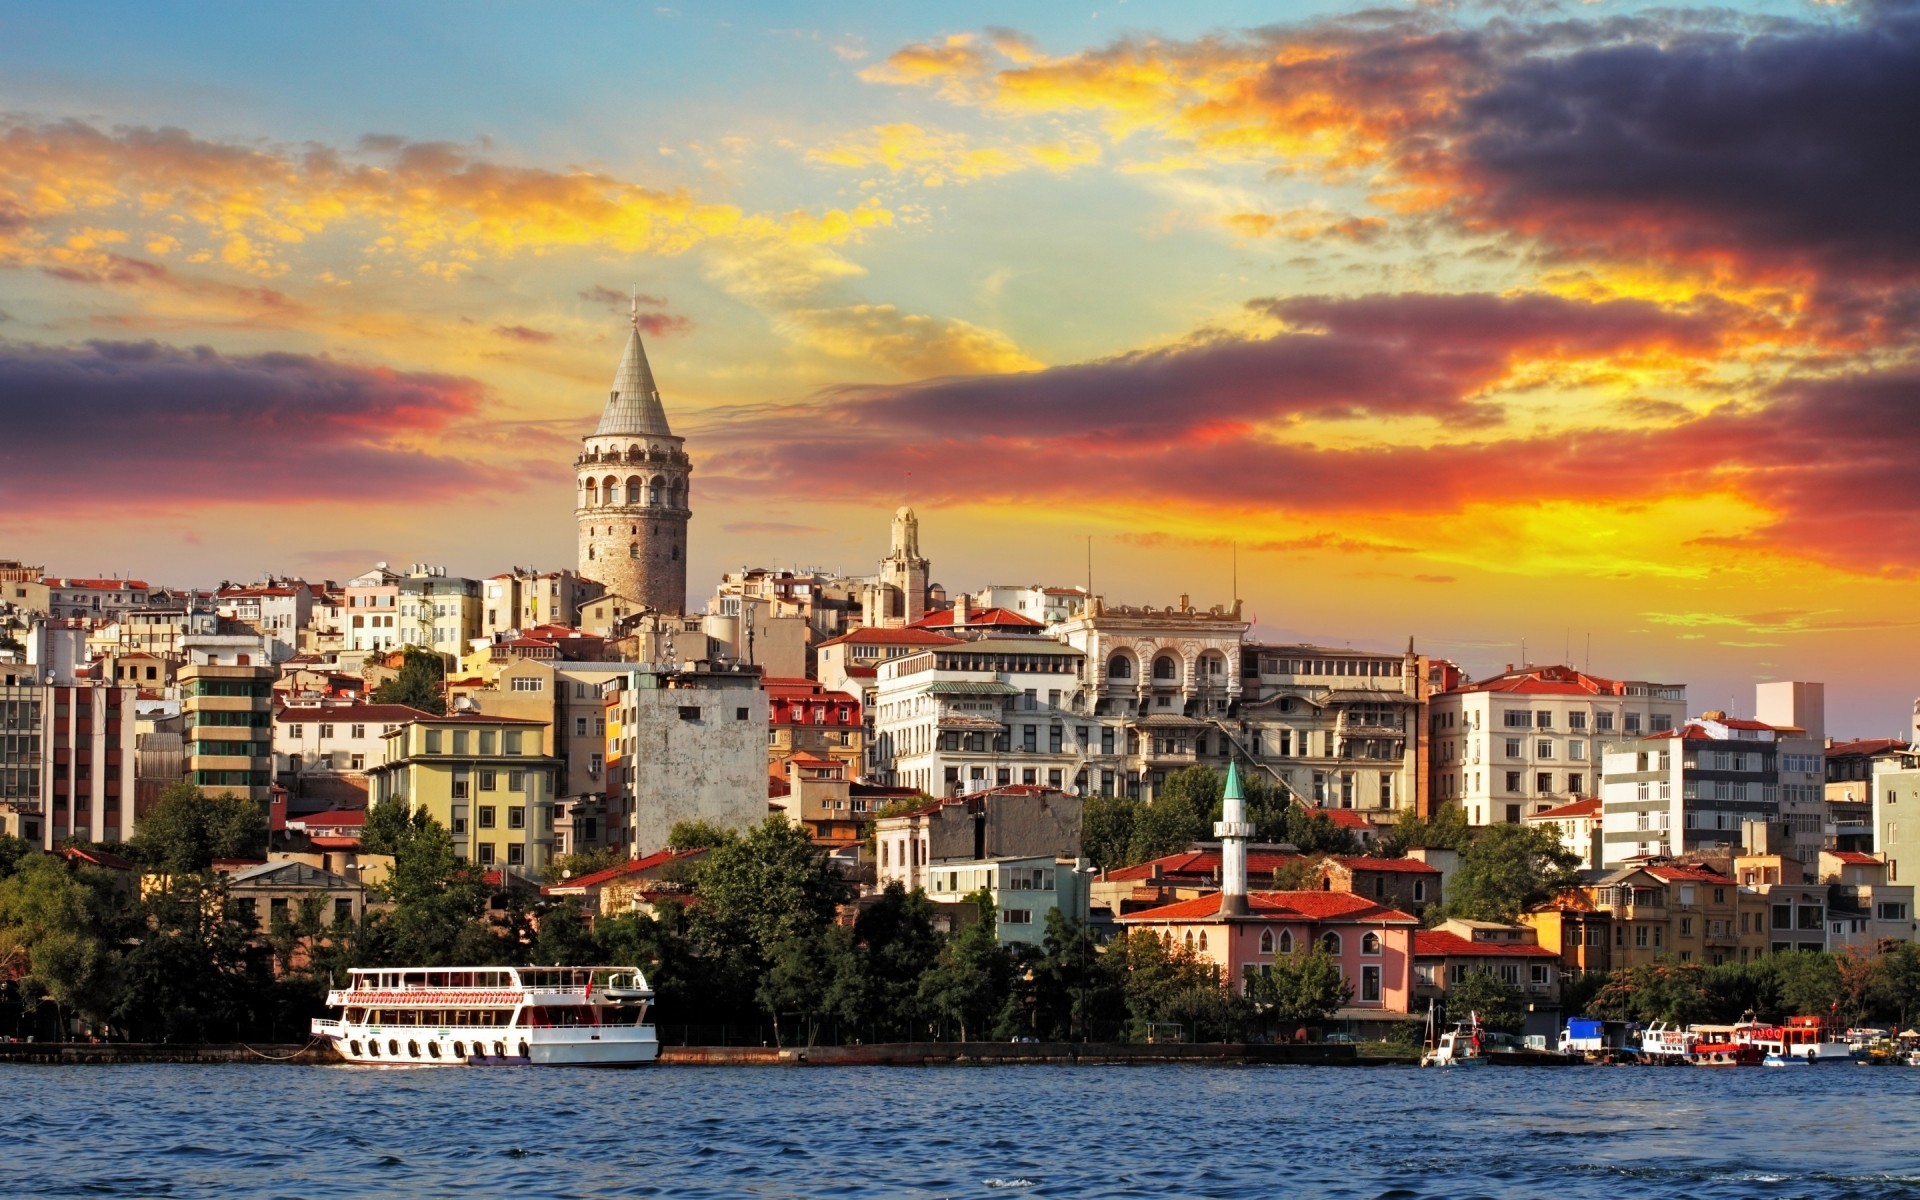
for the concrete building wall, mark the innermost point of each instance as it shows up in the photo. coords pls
(687, 748)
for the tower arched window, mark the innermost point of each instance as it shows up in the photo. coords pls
(676, 554)
(657, 494)
(611, 490)
(633, 452)
(633, 549)
(589, 553)
(1165, 667)
(1120, 667)
(593, 493)
(633, 489)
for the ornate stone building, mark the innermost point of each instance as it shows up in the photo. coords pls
(899, 595)
(631, 502)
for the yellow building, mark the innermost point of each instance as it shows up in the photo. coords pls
(229, 728)
(483, 778)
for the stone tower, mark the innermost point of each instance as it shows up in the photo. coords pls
(903, 573)
(631, 498)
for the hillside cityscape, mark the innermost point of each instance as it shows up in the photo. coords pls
(871, 808)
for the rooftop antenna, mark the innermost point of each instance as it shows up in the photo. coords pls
(1587, 667)
(1236, 573)
(1089, 566)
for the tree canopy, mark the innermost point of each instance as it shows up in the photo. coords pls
(186, 830)
(418, 684)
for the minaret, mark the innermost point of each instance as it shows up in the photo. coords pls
(631, 498)
(903, 570)
(1233, 830)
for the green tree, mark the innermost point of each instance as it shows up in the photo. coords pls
(762, 889)
(968, 983)
(1678, 993)
(697, 835)
(817, 977)
(1106, 830)
(388, 825)
(1179, 815)
(573, 866)
(565, 937)
(1315, 833)
(12, 850)
(1154, 977)
(1298, 874)
(1810, 983)
(1302, 988)
(418, 683)
(437, 901)
(1499, 1004)
(1077, 995)
(1895, 990)
(1506, 868)
(1447, 830)
(896, 934)
(186, 830)
(52, 940)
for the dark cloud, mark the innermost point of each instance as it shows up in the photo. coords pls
(157, 425)
(1344, 359)
(1795, 148)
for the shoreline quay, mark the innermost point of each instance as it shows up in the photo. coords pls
(891, 1054)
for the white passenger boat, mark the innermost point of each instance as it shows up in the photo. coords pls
(470, 1016)
(1660, 1043)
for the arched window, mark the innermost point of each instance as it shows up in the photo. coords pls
(1189, 939)
(593, 493)
(633, 452)
(633, 489)
(1165, 667)
(1330, 942)
(633, 549)
(589, 553)
(1370, 944)
(611, 490)
(1286, 941)
(658, 492)
(676, 554)
(1203, 940)
(1266, 941)
(1120, 667)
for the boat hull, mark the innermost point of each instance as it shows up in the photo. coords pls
(413, 1046)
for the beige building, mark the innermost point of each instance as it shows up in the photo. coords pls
(900, 594)
(1528, 740)
(229, 728)
(524, 598)
(632, 504)
(483, 778)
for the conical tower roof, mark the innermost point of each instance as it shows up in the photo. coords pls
(634, 407)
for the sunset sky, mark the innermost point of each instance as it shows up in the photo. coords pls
(1565, 324)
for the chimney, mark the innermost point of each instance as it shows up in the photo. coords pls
(960, 610)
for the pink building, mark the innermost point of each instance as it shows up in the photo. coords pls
(1372, 945)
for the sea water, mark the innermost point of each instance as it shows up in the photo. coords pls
(249, 1132)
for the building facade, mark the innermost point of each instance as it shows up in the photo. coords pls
(67, 763)
(228, 714)
(686, 745)
(1529, 740)
(631, 504)
(482, 778)
(1687, 789)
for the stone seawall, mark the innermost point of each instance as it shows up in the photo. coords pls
(892, 1054)
(897, 1054)
(79, 1053)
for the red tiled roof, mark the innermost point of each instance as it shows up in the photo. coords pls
(1680, 873)
(1742, 723)
(1441, 943)
(1282, 906)
(631, 866)
(324, 842)
(1200, 865)
(1866, 747)
(337, 817)
(868, 636)
(1590, 807)
(1854, 858)
(1553, 681)
(98, 858)
(111, 585)
(350, 713)
(1006, 618)
(1393, 866)
(1345, 818)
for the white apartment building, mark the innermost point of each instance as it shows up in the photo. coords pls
(1690, 788)
(1799, 712)
(325, 751)
(1528, 740)
(961, 718)
(369, 618)
(437, 611)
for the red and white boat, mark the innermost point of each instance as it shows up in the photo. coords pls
(471, 1016)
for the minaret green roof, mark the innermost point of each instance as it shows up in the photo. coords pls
(1233, 791)
(634, 407)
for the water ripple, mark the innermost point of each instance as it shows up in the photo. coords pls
(1151, 1133)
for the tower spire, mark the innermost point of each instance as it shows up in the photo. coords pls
(633, 406)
